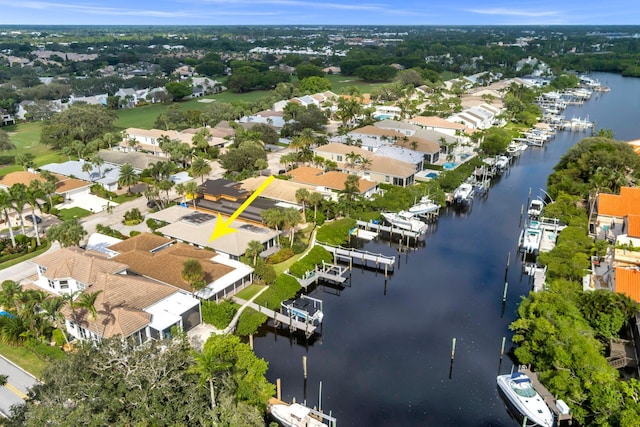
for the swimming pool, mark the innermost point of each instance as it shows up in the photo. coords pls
(448, 166)
(431, 175)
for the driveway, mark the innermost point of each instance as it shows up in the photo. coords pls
(18, 384)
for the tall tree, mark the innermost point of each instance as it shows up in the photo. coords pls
(200, 168)
(302, 197)
(34, 192)
(6, 205)
(69, 233)
(191, 189)
(5, 142)
(18, 194)
(87, 301)
(128, 176)
(254, 248)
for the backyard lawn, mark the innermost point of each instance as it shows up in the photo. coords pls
(26, 138)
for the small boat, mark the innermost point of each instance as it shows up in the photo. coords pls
(535, 208)
(405, 220)
(531, 237)
(518, 389)
(463, 194)
(294, 415)
(304, 309)
(502, 162)
(424, 206)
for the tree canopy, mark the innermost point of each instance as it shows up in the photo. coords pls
(80, 122)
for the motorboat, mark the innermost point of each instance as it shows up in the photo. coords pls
(406, 221)
(535, 208)
(294, 415)
(304, 309)
(463, 194)
(424, 206)
(531, 237)
(502, 162)
(518, 389)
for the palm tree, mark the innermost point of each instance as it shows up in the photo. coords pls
(128, 176)
(34, 192)
(18, 194)
(302, 197)
(291, 218)
(314, 200)
(352, 158)
(97, 161)
(180, 189)
(193, 274)
(200, 168)
(209, 367)
(165, 185)
(365, 163)
(274, 218)
(87, 301)
(191, 190)
(49, 185)
(351, 191)
(88, 168)
(254, 248)
(9, 295)
(5, 205)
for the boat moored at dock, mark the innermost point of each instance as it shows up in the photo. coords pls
(424, 207)
(304, 309)
(463, 194)
(518, 389)
(406, 221)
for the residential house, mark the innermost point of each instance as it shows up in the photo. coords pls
(148, 140)
(224, 197)
(380, 169)
(283, 191)
(127, 305)
(184, 72)
(91, 100)
(274, 119)
(128, 97)
(438, 124)
(196, 227)
(6, 118)
(607, 212)
(207, 85)
(220, 136)
(333, 181)
(65, 186)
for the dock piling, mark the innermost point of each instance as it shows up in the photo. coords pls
(278, 389)
(504, 339)
(251, 341)
(504, 294)
(320, 397)
(304, 366)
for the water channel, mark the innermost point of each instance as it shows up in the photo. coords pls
(384, 354)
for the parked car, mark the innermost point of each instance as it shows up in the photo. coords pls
(30, 218)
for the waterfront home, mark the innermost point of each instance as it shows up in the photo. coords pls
(438, 124)
(330, 182)
(379, 169)
(195, 228)
(607, 212)
(127, 305)
(283, 191)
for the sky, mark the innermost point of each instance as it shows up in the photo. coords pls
(319, 12)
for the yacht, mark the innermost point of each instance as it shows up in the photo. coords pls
(531, 237)
(518, 389)
(294, 415)
(463, 194)
(424, 206)
(535, 208)
(406, 221)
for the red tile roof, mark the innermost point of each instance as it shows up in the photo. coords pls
(626, 203)
(628, 283)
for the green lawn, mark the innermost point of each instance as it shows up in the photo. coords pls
(248, 292)
(24, 358)
(26, 137)
(71, 213)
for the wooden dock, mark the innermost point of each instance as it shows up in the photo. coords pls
(389, 229)
(363, 258)
(279, 318)
(548, 398)
(330, 272)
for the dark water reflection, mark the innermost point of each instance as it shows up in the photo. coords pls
(385, 351)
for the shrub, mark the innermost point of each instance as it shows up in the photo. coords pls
(133, 217)
(154, 225)
(133, 233)
(110, 232)
(280, 256)
(218, 314)
(265, 272)
(249, 322)
(58, 337)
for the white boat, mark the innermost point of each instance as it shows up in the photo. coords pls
(531, 237)
(424, 206)
(304, 309)
(294, 415)
(406, 221)
(502, 162)
(535, 208)
(517, 387)
(463, 194)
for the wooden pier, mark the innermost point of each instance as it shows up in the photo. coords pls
(330, 272)
(364, 258)
(377, 227)
(548, 398)
(279, 318)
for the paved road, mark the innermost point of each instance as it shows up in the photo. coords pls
(17, 386)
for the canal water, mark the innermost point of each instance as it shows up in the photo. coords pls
(384, 356)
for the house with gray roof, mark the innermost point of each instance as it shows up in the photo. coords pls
(106, 175)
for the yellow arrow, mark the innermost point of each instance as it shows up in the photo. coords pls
(223, 228)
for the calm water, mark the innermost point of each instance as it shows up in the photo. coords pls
(384, 354)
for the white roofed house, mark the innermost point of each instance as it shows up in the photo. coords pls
(128, 97)
(148, 140)
(377, 168)
(6, 118)
(438, 124)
